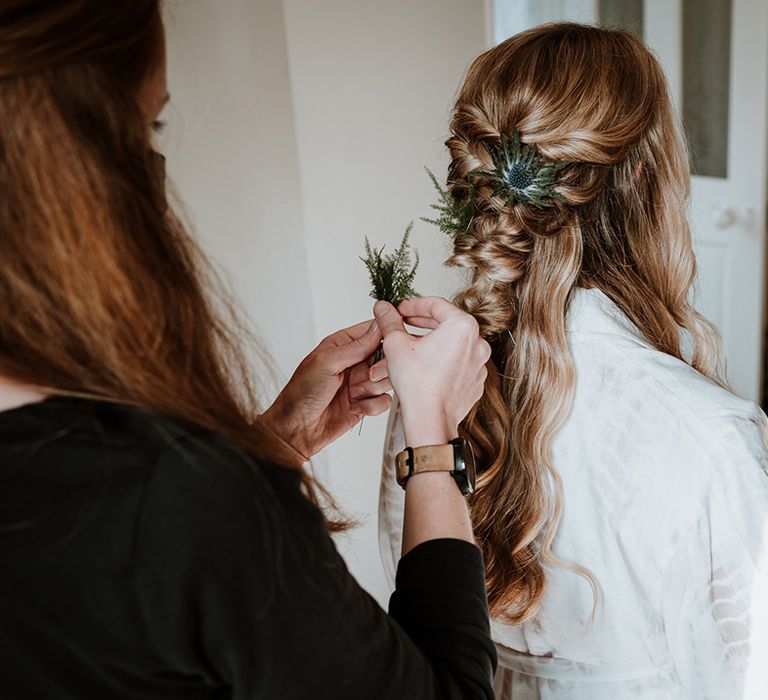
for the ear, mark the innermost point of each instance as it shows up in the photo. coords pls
(639, 169)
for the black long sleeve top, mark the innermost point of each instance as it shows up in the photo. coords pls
(141, 559)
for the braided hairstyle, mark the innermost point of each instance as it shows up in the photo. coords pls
(598, 99)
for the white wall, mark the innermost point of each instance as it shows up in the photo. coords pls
(297, 128)
(372, 84)
(232, 157)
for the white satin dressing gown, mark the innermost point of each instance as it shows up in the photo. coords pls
(666, 503)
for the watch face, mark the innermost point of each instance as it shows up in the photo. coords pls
(464, 470)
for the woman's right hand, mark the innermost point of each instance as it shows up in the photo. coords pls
(438, 377)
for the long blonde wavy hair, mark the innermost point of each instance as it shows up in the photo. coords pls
(598, 99)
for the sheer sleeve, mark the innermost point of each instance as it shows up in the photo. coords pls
(715, 605)
(391, 496)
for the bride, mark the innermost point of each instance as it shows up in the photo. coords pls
(623, 503)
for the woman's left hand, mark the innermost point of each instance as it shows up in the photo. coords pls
(331, 391)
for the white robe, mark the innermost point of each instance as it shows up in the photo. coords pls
(666, 503)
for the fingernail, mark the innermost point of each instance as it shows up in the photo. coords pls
(380, 307)
(357, 391)
(373, 328)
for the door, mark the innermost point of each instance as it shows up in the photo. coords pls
(715, 54)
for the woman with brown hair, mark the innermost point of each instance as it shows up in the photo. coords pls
(622, 504)
(158, 537)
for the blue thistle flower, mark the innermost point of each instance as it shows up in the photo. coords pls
(520, 173)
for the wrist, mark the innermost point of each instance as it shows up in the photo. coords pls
(277, 424)
(428, 428)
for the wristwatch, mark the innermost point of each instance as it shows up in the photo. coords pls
(456, 458)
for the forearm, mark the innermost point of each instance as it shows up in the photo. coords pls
(434, 505)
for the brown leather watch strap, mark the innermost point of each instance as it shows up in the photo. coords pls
(430, 458)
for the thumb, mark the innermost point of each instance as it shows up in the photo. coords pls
(389, 318)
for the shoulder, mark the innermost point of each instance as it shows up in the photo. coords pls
(648, 434)
(673, 434)
(202, 487)
(653, 383)
(607, 346)
(211, 513)
(171, 465)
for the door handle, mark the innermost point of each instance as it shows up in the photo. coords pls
(727, 217)
(724, 217)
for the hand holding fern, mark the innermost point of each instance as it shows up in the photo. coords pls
(438, 377)
(331, 391)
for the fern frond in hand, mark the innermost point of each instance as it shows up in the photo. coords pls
(392, 275)
(455, 215)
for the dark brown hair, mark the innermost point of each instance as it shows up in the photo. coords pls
(598, 99)
(104, 293)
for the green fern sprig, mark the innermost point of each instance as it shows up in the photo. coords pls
(455, 215)
(392, 275)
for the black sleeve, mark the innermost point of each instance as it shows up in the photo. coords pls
(441, 604)
(239, 585)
